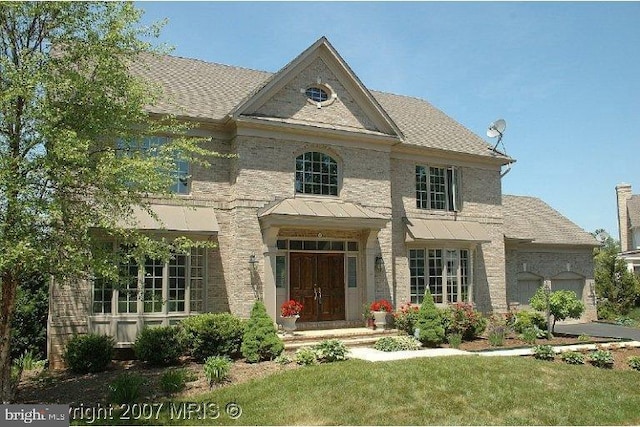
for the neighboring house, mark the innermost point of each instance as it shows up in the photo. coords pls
(336, 196)
(629, 226)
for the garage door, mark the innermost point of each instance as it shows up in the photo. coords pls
(525, 287)
(575, 285)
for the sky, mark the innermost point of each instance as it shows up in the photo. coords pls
(564, 75)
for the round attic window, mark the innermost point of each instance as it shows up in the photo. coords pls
(317, 94)
(320, 95)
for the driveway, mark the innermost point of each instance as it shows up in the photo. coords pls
(596, 329)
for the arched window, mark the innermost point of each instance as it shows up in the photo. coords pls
(316, 173)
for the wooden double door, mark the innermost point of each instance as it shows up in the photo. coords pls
(317, 280)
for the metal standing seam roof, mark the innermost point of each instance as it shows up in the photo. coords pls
(529, 218)
(209, 91)
(174, 218)
(445, 230)
(633, 210)
(319, 208)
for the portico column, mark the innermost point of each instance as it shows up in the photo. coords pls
(269, 250)
(371, 251)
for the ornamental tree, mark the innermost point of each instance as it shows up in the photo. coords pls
(563, 304)
(72, 118)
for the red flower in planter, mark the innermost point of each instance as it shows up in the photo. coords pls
(381, 305)
(291, 308)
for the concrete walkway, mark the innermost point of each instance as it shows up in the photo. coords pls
(598, 329)
(373, 355)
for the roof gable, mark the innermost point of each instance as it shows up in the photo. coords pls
(529, 218)
(352, 105)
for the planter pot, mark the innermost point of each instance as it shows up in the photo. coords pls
(380, 319)
(289, 324)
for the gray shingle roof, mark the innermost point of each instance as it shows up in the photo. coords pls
(633, 210)
(530, 218)
(210, 91)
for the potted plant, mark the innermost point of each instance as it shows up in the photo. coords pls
(290, 311)
(367, 316)
(380, 309)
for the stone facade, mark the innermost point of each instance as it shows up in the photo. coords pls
(376, 187)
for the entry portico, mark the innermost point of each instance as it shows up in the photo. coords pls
(321, 252)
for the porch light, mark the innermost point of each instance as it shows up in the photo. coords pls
(378, 263)
(253, 261)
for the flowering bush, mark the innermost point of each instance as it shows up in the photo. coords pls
(461, 318)
(291, 308)
(381, 305)
(405, 317)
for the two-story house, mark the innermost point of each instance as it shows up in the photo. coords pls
(336, 195)
(629, 226)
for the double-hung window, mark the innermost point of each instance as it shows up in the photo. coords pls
(175, 286)
(150, 146)
(316, 173)
(445, 271)
(437, 188)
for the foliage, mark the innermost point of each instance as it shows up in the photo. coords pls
(543, 352)
(260, 340)
(212, 334)
(366, 313)
(28, 362)
(175, 380)
(306, 356)
(331, 351)
(497, 331)
(584, 338)
(573, 358)
(291, 308)
(283, 359)
(399, 343)
(217, 369)
(530, 334)
(126, 388)
(72, 117)
(601, 358)
(461, 318)
(89, 353)
(626, 321)
(405, 317)
(429, 329)
(563, 304)
(528, 318)
(160, 345)
(29, 324)
(634, 362)
(381, 305)
(454, 340)
(617, 289)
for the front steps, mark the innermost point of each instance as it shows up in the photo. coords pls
(351, 337)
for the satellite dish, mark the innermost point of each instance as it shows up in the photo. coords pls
(602, 237)
(496, 128)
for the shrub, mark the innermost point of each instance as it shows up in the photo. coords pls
(306, 356)
(543, 352)
(260, 340)
(584, 338)
(331, 351)
(573, 358)
(530, 334)
(405, 318)
(283, 359)
(562, 304)
(175, 380)
(462, 319)
(126, 388)
(400, 343)
(498, 331)
(28, 362)
(217, 369)
(527, 318)
(212, 334)
(454, 340)
(601, 359)
(634, 362)
(160, 345)
(625, 321)
(89, 353)
(429, 329)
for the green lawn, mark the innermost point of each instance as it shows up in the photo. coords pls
(441, 391)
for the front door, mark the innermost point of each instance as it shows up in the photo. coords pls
(317, 280)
